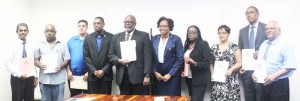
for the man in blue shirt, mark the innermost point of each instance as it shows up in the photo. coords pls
(77, 66)
(280, 64)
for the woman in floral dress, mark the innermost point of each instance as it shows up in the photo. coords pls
(229, 52)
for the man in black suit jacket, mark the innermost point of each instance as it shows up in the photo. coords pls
(252, 15)
(132, 76)
(95, 51)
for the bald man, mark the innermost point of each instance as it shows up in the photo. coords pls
(52, 82)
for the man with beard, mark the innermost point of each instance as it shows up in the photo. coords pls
(95, 52)
(132, 76)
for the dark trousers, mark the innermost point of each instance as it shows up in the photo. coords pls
(127, 88)
(22, 89)
(197, 90)
(100, 86)
(76, 91)
(276, 91)
(189, 85)
(249, 86)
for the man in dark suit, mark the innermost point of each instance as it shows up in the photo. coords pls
(132, 76)
(95, 51)
(257, 29)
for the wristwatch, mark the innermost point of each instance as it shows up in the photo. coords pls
(147, 76)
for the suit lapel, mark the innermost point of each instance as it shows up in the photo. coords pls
(259, 31)
(155, 44)
(168, 45)
(93, 41)
(134, 35)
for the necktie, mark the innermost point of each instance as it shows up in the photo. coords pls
(251, 38)
(267, 51)
(24, 54)
(127, 36)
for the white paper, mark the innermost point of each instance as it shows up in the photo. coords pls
(260, 71)
(128, 50)
(159, 98)
(247, 59)
(27, 66)
(78, 83)
(50, 60)
(220, 69)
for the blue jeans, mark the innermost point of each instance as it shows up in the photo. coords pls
(51, 92)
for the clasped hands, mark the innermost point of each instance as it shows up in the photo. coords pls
(165, 78)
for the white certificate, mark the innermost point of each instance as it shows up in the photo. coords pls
(78, 83)
(128, 50)
(50, 60)
(220, 69)
(260, 71)
(27, 66)
(159, 98)
(247, 59)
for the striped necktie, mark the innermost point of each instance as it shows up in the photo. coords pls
(251, 38)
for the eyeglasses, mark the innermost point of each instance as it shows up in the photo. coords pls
(52, 31)
(128, 22)
(222, 32)
(271, 28)
(192, 33)
(163, 26)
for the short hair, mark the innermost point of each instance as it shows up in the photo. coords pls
(254, 8)
(84, 21)
(21, 24)
(101, 18)
(226, 28)
(170, 22)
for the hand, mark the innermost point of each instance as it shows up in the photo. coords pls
(123, 61)
(96, 73)
(146, 81)
(43, 67)
(100, 74)
(85, 76)
(70, 75)
(228, 72)
(36, 82)
(269, 80)
(255, 54)
(182, 74)
(24, 76)
(242, 71)
(167, 77)
(57, 69)
(254, 78)
(190, 61)
(211, 77)
(158, 76)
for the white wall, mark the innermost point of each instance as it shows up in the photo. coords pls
(206, 14)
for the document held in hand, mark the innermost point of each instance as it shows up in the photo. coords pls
(260, 71)
(50, 60)
(78, 83)
(220, 69)
(248, 61)
(128, 50)
(27, 66)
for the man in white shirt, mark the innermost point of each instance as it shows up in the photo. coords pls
(22, 83)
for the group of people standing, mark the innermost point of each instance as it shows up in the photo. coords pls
(159, 62)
